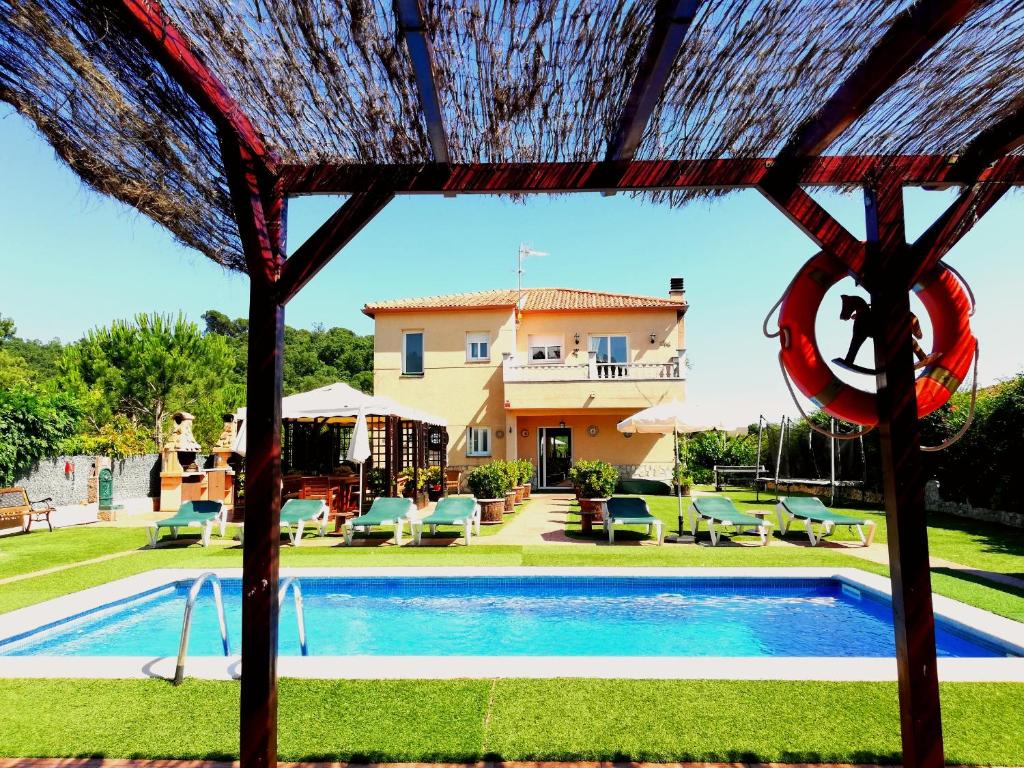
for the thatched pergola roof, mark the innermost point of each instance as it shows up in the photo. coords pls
(523, 81)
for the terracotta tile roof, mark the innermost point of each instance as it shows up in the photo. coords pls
(535, 300)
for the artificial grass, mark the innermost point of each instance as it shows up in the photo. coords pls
(26, 552)
(468, 720)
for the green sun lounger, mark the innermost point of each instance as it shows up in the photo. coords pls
(191, 514)
(720, 510)
(629, 511)
(451, 510)
(295, 514)
(383, 511)
(811, 511)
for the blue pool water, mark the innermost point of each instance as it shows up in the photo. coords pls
(516, 616)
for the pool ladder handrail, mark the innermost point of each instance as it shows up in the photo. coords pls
(282, 593)
(186, 625)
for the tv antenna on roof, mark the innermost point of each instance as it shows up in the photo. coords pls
(525, 251)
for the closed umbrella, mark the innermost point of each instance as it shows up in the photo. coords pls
(359, 450)
(675, 418)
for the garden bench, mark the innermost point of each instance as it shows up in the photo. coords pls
(14, 503)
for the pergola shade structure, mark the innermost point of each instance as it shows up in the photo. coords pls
(206, 116)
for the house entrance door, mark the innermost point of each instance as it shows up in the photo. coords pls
(555, 456)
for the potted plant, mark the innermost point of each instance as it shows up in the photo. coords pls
(683, 480)
(489, 483)
(595, 483)
(525, 476)
(511, 473)
(434, 482)
(512, 467)
(413, 485)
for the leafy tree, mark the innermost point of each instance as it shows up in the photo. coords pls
(7, 329)
(32, 427)
(145, 370)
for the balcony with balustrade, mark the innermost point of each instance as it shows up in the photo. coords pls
(592, 384)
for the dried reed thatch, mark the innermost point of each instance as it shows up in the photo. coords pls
(522, 80)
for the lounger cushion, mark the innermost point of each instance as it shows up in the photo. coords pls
(296, 510)
(192, 512)
(630, 511)
(451, 511)
(721, 509)
(811, 508)
(383, 510)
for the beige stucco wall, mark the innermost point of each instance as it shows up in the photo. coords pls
(647, 456)
(474, 394)
(464, 393)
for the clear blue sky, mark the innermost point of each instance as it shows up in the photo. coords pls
(73, 260)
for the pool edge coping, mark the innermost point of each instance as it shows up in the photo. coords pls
(998, 629)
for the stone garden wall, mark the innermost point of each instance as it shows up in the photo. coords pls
(935, 503)
(135, 477)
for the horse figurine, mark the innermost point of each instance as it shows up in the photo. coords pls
(857, 309)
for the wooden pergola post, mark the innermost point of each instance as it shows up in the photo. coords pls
(888, 271)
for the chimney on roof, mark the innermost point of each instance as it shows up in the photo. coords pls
(676, 289)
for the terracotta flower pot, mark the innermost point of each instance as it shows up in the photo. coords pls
(520, 493)
(593, 507)
(510, 501)
(526, 490)
(491, 510)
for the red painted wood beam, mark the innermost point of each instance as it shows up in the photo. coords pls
(993, 143)
(261, 228)
(955, 222)
(911, 35)
(903, 476)
(528, 178)
(169, 47)
(819, 225)
(314, 254)
(672, 20)
(410, 23)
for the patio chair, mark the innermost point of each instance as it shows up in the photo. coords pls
(720, 510)
(294, 515)
(629, 511)
(191, 514)
(811, 511)
(452, 480)
(451, 510)
(383, 511)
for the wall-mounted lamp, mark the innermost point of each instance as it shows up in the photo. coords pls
(576, 338)
(561, 425)
(654, 337)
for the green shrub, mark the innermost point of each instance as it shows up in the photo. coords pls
(703, 451)
(525, 471)
(409, 474)
(593, 479)
(432, 476)
(490, 481)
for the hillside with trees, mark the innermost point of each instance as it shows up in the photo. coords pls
(113, 391)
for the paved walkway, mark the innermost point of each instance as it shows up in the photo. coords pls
(542, 521)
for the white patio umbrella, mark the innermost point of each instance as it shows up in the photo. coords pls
(359, 450)
(675, 418)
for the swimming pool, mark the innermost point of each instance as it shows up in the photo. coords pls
(521, 615)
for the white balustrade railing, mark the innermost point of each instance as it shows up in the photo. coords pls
(516, 369)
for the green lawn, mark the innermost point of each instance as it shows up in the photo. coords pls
(728, 721)
(469, 720)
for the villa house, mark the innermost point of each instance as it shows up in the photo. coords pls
(544, 375)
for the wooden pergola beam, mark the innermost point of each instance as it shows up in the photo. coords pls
(911, 35)
(174, 53)
(636, 175)
(820, 226)
(993, 143)
(955, 222)
(672, 20)
(421, 52)
(333, 235)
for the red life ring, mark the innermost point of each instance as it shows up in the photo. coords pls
(953, 345)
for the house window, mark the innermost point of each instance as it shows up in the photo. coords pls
(545, 348)
(478, 346)
(412, 353)
(478, 441)
(610, 349)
